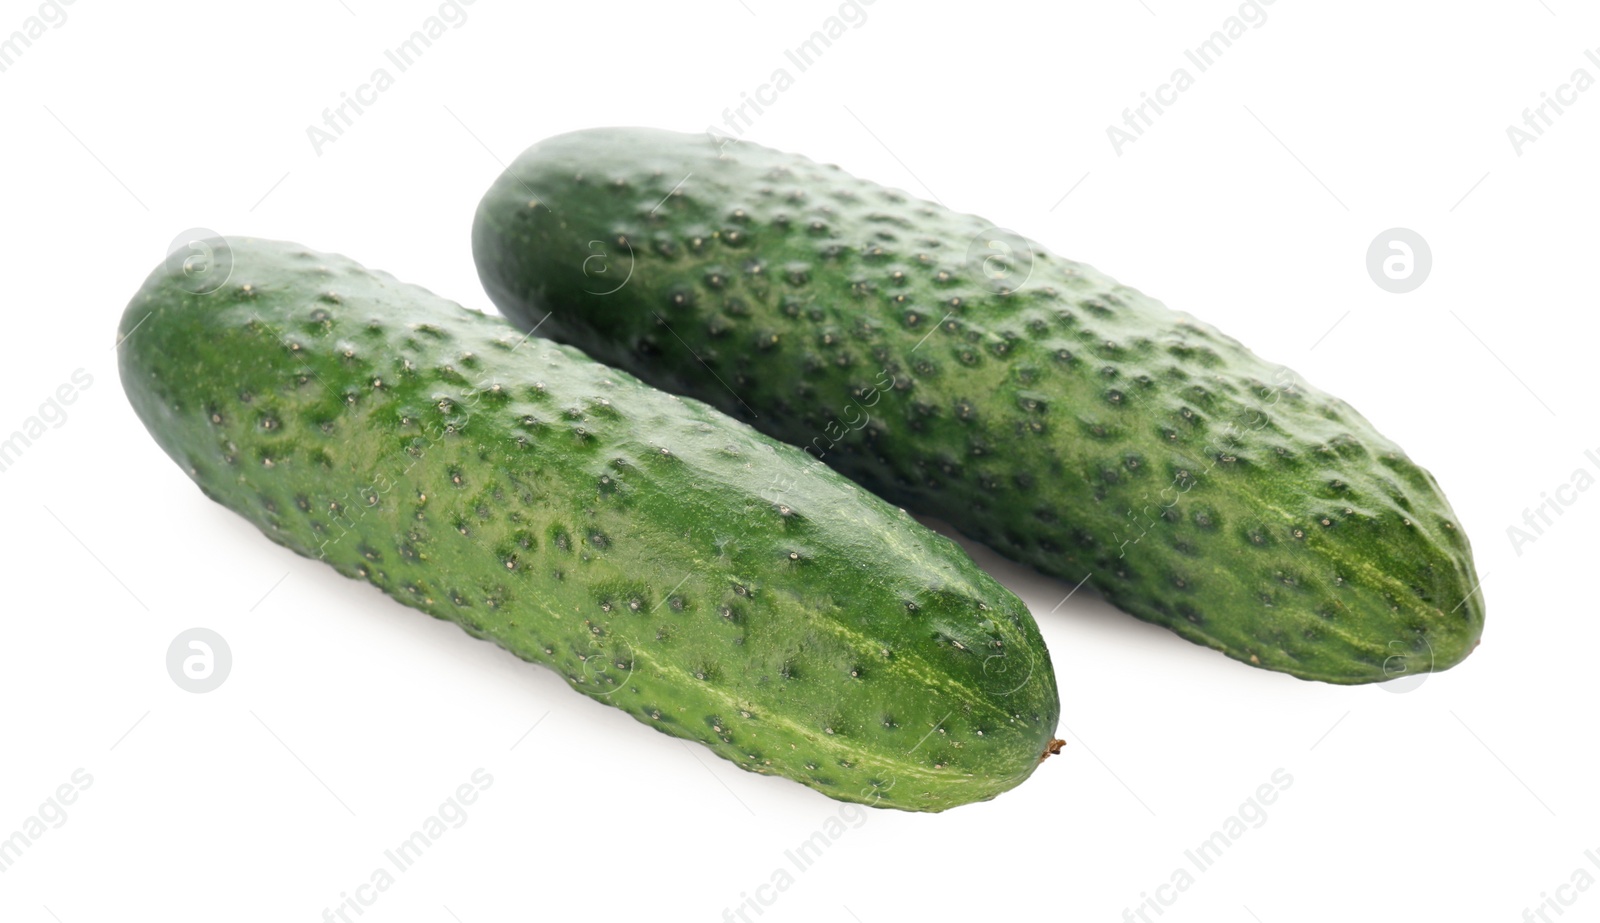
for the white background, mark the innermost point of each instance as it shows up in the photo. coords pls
(1251, 203)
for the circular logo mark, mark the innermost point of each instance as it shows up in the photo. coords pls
(1004, 674)
(604, 668)
(872, 793)
(201, 259)
(597, 267)
(1399, 260)
(198, 660)
(1405, 668)
(1003, 258)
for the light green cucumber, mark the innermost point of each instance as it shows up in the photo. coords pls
(715, 584)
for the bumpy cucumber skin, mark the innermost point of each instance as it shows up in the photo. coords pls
(1066, 420)
(629, 539)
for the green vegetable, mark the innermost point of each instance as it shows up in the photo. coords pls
(1068, 421)
(713, 583)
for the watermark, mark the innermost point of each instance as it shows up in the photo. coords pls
(50, 15)
(736, 120)
(835, 430)
(1552, 105)
(52, 414)
(597, 268)
(603, 668)
(1136, 120)
(799, 859)
(352, 104)
(1399, 260)
(201, 259)
(398, 860)
(1400, 668)
(1251, 815)
(1567, 894)
(199, 660)
(1538, 519)
(1004, 258)
(52, 814)
(1000, 678)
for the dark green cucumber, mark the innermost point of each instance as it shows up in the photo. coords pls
(961, 371)
(714, 583)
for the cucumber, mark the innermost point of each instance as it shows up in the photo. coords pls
(717, 585)
(961, 371)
